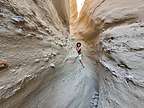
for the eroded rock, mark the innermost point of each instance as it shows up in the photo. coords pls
(39, 37)
(52, 65)
(37, 60)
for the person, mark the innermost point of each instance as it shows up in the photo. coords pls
(78, 49)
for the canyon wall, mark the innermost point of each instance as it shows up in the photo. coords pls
(102, 14)
(63, 9)
(73, 11)
(31, 42)
(116, 28)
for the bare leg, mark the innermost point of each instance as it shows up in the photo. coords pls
(82, 64)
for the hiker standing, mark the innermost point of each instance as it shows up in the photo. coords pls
(78, 49)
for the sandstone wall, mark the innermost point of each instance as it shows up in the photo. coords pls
(116, 28)
(73, 11)
(30, 45)
(63, 9)
(38, 13)
(106, 13)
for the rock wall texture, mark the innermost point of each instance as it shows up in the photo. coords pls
(63, 9)
(73, 11)
(31, 42)
(102, 14)
(117, 30)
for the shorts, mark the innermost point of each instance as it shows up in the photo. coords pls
(80, 57)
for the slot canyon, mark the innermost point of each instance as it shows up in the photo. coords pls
(40, 66)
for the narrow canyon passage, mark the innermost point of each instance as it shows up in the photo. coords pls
(37, 35)
(72, 87)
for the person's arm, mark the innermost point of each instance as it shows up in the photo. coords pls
(77, 49)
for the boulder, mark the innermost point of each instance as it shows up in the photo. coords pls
(37, 60)
(52, 65)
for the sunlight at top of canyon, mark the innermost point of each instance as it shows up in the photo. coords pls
(80, 4)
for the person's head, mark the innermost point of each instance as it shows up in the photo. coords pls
(78, 44)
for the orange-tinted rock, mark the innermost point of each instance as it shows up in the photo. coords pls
(3, 64)
(97, 15)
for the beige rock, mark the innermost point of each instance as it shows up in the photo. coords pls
(19, 48)
(52, 65)
(112, 28)
(63, 9)
(54, 53)
(37, 60)
(46, 59)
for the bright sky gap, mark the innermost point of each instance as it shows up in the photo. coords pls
(80, 4)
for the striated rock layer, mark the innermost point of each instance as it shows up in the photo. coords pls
(32, 43)
(63, 9)
(116, 28)
(73, 11)
(31, 39)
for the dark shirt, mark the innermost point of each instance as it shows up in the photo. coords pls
(78, 50)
